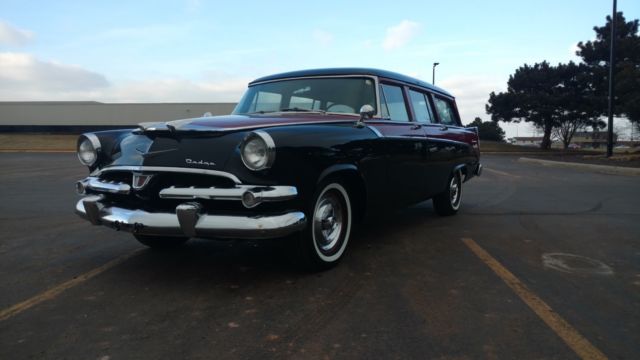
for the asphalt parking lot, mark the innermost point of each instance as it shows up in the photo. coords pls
(540, 263)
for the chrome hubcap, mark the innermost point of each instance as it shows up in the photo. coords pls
(454, 190)
(328, 220)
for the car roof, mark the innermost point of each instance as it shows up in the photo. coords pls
(352, 71)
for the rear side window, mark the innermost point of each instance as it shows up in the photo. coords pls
(445, 111)
(421, 107)
(392, 103)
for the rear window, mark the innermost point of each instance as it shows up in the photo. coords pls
(445, 110)
(421, 107)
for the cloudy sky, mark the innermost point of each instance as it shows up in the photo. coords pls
(198, 50)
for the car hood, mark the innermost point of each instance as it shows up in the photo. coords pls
(206, 142)
(243, 122)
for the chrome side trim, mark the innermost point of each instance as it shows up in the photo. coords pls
(419, 136)
(167, 169)
(375, 131)
(264, 193)
(188, 221)
(270, 125)
(211, 129)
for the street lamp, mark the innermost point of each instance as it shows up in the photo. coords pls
(433, 77)
(612, 64)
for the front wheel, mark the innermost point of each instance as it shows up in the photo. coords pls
(321, 245)
(448, 202)
(161, 242)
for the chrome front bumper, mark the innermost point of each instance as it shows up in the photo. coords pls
(189, 220)
(250, 195)
(478, 170)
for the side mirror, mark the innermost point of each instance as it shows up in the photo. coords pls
(366, 112)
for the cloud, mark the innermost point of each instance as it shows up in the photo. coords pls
(323, 37)
(472, 93)
(399, 35)
(26, 78)
(12, 36)
(21, 72)
(160, 33)
(193, 5)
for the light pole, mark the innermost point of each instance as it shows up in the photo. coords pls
(612, 65)
(433, 76)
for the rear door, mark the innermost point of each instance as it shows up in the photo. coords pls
(404, 144)
(435, 161)
(447, 139)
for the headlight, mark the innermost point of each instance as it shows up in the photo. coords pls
(258, 151)
(88, 148)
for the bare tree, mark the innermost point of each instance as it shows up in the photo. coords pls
(565, 130)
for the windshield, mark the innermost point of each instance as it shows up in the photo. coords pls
(338, 95)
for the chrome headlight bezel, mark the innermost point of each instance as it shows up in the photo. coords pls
(91, 144)
(265, 145)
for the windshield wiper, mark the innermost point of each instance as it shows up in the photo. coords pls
(262, 112)
(287, 110)
(302, 110)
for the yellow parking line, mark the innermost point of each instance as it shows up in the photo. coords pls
(581, 346)
(58, 289)
(501, 172)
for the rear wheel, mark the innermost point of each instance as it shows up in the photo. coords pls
(448, 202)
(321, 245)
(161, 242)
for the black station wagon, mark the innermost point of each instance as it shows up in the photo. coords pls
(304, 156)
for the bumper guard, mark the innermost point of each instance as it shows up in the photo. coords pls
(189, 220)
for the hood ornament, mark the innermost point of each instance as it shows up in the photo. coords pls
(149, 154)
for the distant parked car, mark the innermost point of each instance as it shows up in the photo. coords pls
(574, 146)
(303, 156)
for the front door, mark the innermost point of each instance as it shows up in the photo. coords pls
(404, 143)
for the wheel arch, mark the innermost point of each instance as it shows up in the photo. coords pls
(464, 171)
(353, 180)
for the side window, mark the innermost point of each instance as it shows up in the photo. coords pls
(445, 111)
(392, 102)
(266, 101)
(421, 107)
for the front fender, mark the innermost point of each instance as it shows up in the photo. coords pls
(307, 154)
(334, 169)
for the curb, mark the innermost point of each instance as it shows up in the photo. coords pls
(35, 151)
(604, 169)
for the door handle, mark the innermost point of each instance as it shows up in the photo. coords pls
(444, 128)
(416, 127)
